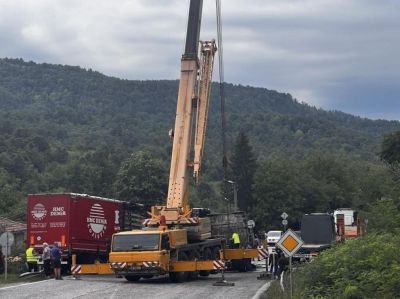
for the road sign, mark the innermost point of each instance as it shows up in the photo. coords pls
(6, 239)
(284, 215)
(290, 242)
(6, 250)
(251, 224)
(284, 222)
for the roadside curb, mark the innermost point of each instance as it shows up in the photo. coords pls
(261, 290)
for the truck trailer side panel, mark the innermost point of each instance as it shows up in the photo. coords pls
(79, 222)
(93, 222)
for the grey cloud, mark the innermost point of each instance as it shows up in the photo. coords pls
(335, 54)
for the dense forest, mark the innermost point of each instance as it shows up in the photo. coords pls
(67, 129)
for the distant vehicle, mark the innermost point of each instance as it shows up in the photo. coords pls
(318, 233)
(348, 223)
(273, 236)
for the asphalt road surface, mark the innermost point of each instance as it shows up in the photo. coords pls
(108, 286)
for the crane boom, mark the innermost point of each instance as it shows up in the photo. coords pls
(177, 201)
(207, 51)
(194, 92)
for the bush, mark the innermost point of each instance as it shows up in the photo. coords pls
(366, 267)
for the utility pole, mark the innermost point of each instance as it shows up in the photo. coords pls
(235, 199)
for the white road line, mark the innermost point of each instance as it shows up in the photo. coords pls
(261, 290)
(20, 285)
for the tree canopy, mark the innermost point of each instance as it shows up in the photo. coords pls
(141, 179)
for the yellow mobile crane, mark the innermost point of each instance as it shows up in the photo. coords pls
(175, 240)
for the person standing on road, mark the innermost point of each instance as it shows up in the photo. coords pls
(56, 258)
(31, 259)
(272, 262)
(236, 240)
(282, 264)
(46, 258)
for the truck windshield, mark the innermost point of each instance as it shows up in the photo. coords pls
(135, 242)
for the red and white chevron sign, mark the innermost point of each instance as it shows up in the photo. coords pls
(218, 264)
(263, 253)
(192, 220)
(118, 265)
(76, 269)
(146, 222)
(150, 264)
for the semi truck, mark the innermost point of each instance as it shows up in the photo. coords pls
(318, 233)
(80, 223)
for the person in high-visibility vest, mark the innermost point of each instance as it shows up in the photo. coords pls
(236, 240)
(31, 259)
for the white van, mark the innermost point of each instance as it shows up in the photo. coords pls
(273, 236)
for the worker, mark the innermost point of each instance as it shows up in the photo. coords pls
(46, 258)
(31, 258)
(56, 257)
(282, 265)
(235, 240)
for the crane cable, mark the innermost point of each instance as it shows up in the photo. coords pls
(221, 86)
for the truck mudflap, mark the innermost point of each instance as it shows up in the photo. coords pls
(239, 254)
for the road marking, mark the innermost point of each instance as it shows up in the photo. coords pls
(261, 290)
(24, 284)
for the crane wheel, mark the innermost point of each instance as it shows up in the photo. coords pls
(180, 276)
(207, 255)
(132, 277)
(194, 275)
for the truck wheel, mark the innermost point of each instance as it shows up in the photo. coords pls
(194, 275)
(207, 255)
(180, 276)
(132, 277)
(215, 253)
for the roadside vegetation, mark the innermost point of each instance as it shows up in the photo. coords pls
(365, 267)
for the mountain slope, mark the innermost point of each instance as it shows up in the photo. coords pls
(58, 124)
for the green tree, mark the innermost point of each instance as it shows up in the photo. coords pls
(277, 189)
(390, 149)
(141, 179)
(243, 170)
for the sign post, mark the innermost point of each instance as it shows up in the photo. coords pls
(284, 217)
(290, 243)
(6, 240)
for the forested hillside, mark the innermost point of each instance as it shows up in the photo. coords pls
(64, 128)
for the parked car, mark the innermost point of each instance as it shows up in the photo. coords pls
(273, 236)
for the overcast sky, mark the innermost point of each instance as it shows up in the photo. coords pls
(334, 54)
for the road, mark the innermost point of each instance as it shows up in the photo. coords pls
(108, 286)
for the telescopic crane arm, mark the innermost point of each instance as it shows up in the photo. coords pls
(207, 52)
(194, 92)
